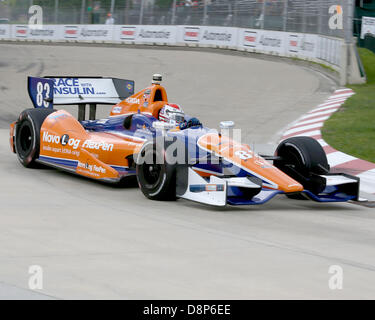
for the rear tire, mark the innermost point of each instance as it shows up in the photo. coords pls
(303, 159)
(27, 135)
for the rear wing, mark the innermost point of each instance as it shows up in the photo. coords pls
(47, 92)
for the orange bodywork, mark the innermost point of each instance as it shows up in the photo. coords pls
(62, 137)
(242, 156)
(149, 101)
(11, 137)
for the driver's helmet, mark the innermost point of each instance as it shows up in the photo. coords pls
(172, 113)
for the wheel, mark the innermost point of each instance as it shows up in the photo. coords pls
(303, 159)
(156, 178)
(27, 135)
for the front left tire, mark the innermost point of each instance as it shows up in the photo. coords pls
(27, 135)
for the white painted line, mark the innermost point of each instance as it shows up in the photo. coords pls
(310, 121)
(322, 142)
(337, 158)
(341, 90)
(298, 129)
(335, 105)
(341, 95)
(310, 115)
(308, 134)
(326, 103)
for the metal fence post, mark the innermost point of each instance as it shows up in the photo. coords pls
(304, 16)
(263, 15)
(127, 8)
(56, 11)
(235, 8)
(205, 12)
(285, 20)
(141, 12)
(174, 12)
(112, 6)
(83, 9)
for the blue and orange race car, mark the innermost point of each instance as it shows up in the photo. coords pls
(171, 154)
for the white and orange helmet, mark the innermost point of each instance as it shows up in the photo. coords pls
(172, 113)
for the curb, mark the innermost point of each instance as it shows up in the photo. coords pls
(310, 125)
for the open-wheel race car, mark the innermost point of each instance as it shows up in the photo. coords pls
(171, 154)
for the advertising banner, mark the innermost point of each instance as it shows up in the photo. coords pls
(156, 34)
(125, 33)
(44, 32)
(300, 44)
(263, 40)
(70, 32)
(146, 34)
(4, 31)
(95, 32)
(218, 36)
(368, 26)
(19, 31)
(189, 34)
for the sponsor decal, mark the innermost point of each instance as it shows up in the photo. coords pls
(21, 31)
(151, 34)
(217, 36)
(71, 32)
(94, 33)
(306, 45)
(72, 86)
(127, 33)
(42, 32)
(129, 86)
(91, 167)
(63, 140)
(90, 144)
(301, 43)
(133, 100)
(116, 109)
(268, 41)
(293, 43)
(250, 38)
(191, 34)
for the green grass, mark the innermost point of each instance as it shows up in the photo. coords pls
(352, 128)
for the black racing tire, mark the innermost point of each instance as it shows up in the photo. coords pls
(307, 157)
(27, 135)
(156, 178)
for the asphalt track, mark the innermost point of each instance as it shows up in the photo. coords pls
(97, 241)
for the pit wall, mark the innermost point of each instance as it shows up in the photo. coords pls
(332, 52)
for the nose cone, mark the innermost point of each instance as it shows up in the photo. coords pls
(294, 187)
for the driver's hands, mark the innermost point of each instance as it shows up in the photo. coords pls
(193, 122)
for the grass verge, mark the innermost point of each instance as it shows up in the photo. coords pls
(352, 128)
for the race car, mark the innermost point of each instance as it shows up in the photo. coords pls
(171, 154)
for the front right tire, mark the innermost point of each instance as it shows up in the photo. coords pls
(303, 159)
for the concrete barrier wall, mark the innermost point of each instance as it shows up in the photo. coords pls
(311, 47)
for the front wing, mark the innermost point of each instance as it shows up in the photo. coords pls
(220, 191)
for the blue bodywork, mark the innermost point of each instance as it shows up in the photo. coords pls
(141, 127)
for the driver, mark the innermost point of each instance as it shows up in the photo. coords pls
(173, 114)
